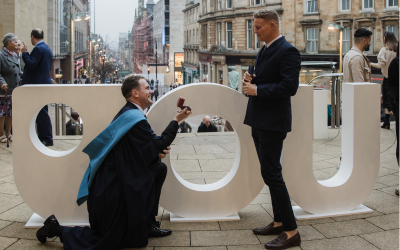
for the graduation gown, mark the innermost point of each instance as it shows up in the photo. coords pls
(121, 194)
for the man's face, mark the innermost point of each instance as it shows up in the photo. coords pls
(262, 29)
(367, 43)
(144, 93)
(207, 121)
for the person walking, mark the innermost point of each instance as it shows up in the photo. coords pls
(37, 71)
(356, 66)
(385, 57)
(269, 114)
(156, 94)
(10, 78)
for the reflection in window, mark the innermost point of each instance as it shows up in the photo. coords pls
(312, 40)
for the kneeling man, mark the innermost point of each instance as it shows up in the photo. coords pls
(123, 182)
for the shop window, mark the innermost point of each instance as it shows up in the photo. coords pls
(312, 40)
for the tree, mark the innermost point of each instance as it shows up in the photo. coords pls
(104, 70)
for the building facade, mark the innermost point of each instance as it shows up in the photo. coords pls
(191, 37)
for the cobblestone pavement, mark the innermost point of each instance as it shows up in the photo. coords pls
(203, 159)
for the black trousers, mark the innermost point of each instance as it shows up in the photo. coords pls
(161, 174)
(269, 149)
(43, 123)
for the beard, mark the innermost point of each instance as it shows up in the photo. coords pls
(366, 47)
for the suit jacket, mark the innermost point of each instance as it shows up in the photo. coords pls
(277, 79)
(10, 72)
(37, 65)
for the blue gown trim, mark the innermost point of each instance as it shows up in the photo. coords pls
(98, 149)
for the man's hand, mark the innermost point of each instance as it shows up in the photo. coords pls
(248, 88)
(166, 151)
(24, 48)
(182, 115)
(4, 86)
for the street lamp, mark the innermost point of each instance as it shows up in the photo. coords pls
(334, 26)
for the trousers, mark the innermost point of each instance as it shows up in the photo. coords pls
(43, 123)
(269, 146)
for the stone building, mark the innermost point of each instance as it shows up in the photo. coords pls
(21, 16)
(191, 37)
(228, 42)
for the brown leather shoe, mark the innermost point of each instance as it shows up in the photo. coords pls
(282, 242)
(268, 230)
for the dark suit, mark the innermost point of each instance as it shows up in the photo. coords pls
(37, 71)
(270, 116)
(204, 128)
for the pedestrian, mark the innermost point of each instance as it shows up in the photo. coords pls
(156, 94)
(184, 127)
(270, 88)
(206, 126)
(10, 77)
(122, 185)
(392, 88)
(71, 125)
(385, 57)
(87, 81)
(356, 66)
(37, 71)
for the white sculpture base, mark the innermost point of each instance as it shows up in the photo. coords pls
(37, 222)
(300, 214)
(176, 218)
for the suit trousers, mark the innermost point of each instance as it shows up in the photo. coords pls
(269, 146)
(161, 174)
(43, 123)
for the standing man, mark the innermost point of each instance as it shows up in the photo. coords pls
(206, 125)
(356, 66)
(269, 115)
(156, 93)
(37, 71)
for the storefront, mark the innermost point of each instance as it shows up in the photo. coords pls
(191, 74)
(205, 61)
(178, 62)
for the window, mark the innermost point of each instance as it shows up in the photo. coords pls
(258, 45)
(312, 6)
(190, 36)
(219, 4)
(346, 40)
(257, 2)
(204, 7)
(228, 4)
(394, 29)
(392, 3)
(344, 5)
(249, 34)
(312, 40)
(219, 33)
(229, 35)
(197, 35)
(368, 4)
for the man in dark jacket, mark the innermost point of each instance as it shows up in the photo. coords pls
(206, 126)
(269, 114)
(122, 188)
(37, 71)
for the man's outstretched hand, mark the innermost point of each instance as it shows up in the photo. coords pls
(166, 151)
(182, 115)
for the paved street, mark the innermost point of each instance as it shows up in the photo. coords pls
(206, 158)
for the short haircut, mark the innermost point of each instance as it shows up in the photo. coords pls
(361, 34)
(75, 115)
(9, 37)
(37, 33)
(130, 84)
(267, 15)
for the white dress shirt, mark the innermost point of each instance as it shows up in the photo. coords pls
(140, 108)
(39, 43)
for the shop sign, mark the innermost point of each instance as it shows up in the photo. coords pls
(205, 58)
(241, 60)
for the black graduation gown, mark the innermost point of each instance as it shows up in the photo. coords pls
(122, 193)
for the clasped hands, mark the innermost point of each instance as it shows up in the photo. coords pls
(248, 87)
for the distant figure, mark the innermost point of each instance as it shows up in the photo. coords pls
(184, 127)
(87, 81)
(71, 127)
(156, 94)
(37, 71)
(206, 126)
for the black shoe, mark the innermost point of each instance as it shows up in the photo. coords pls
(155, 231)
(46, 231)
(47, 143)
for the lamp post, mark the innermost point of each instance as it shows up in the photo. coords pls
(333, 26)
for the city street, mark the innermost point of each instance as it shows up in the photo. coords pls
(207, 157)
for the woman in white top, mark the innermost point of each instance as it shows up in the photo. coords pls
(385, 57)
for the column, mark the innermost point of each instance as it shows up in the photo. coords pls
(239, 69)
(201, 72)
(209, 76)
(225, 74)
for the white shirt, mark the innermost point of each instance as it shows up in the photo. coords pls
(140, 108)
(269, 44)
(39, 43)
